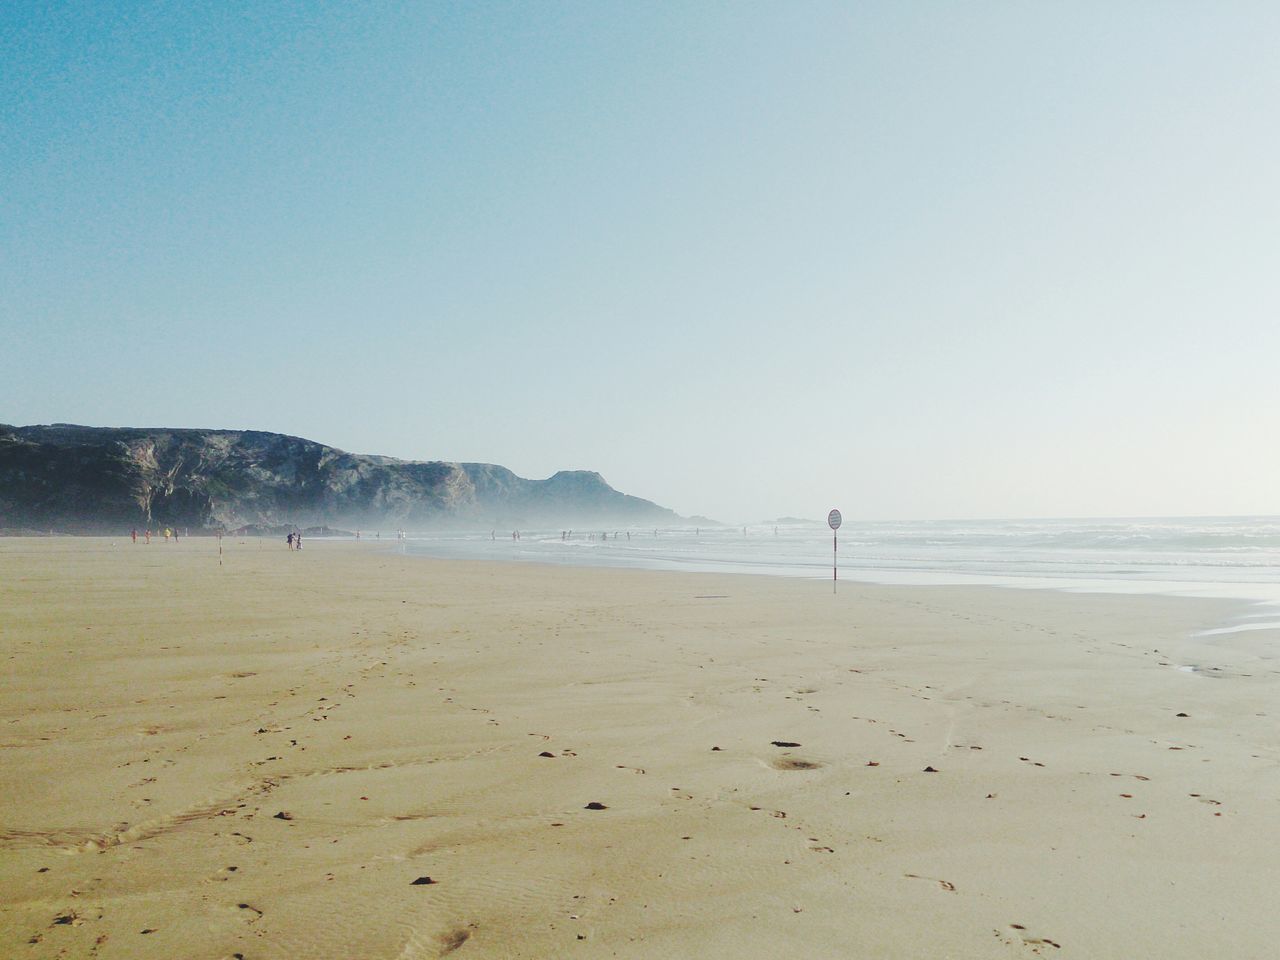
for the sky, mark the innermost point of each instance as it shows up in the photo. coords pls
(747, 260)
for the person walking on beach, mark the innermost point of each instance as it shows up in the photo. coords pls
(289, 540)
(148, 535)
(297, 540)
(135, 534)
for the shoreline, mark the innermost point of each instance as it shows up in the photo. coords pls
(1054, 570)
(456, 719)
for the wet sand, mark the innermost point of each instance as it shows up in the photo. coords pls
(344, 752)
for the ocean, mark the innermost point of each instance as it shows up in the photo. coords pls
(1194, 556)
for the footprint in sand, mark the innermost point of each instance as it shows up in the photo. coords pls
(946, 885)
(222, 875)
(1035, 943)
(794, 763)
(452, 940)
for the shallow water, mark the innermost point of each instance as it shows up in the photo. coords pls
(1193, 556)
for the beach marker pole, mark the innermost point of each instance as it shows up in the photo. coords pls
(219, 548)
(833, 521)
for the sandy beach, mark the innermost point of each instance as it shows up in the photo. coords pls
(344, 752)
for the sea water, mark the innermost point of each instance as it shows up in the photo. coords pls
(1194, 556)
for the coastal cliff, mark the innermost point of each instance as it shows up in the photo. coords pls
(71, 478)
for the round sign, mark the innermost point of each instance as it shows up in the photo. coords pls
(834, 520)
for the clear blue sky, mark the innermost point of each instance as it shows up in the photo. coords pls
(908, 259)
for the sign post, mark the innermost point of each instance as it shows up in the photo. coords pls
(833, 521)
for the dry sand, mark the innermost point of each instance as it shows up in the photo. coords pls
(260, 759)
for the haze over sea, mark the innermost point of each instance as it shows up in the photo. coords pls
(1192, 556)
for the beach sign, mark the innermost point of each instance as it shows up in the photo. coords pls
(833, 521)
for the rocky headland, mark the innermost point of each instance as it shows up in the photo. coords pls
(69, 478)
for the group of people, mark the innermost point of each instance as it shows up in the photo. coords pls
(294, 540)
(146, 536)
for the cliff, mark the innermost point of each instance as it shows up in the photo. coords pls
(98, 479)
